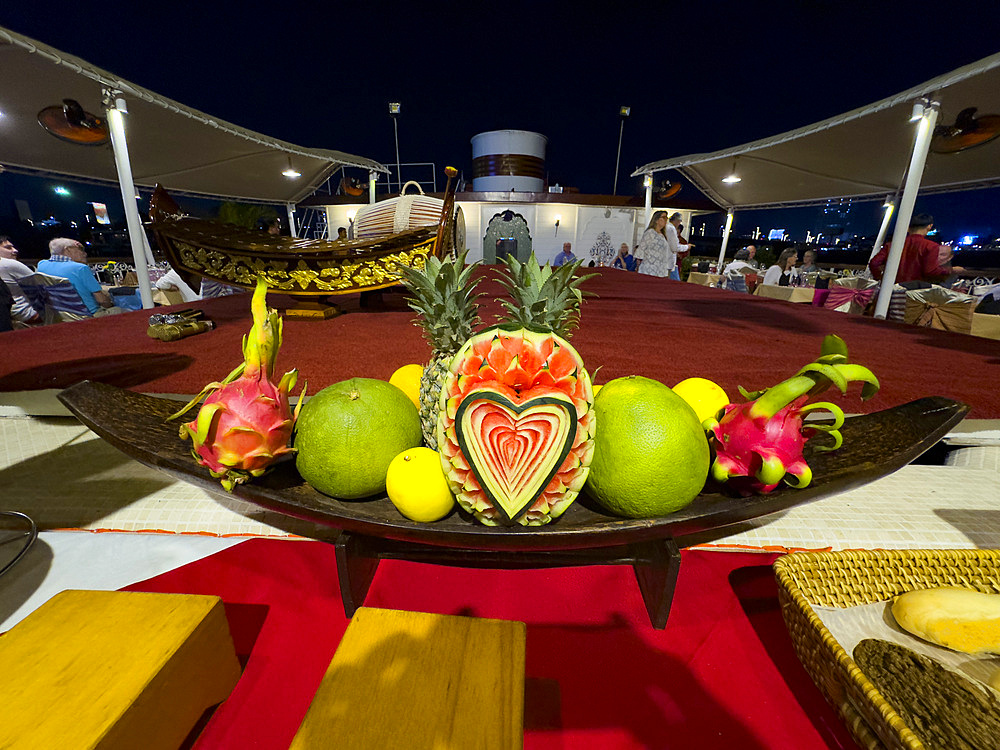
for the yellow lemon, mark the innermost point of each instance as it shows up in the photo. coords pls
(704, 396)
(597, 389)
(407, 379)
(416, 484)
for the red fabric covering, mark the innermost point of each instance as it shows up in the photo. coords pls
(722, 675)
(637, 325)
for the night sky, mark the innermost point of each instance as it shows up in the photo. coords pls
(697, 76)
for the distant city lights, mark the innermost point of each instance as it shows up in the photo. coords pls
(60, 190)
(968, 239)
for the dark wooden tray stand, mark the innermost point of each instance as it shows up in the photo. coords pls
(372, 530)
(656, 564)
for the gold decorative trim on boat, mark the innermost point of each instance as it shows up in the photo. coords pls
(237, 256)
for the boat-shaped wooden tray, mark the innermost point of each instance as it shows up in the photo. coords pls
(874, 445)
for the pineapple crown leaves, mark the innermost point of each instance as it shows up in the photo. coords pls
(443, 296)
(542, 296)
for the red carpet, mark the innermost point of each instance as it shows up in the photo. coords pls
(722, 675)
(637, 325)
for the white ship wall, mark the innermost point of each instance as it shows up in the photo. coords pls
(589, 229)
(581, 226)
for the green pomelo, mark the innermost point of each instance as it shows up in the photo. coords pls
(651, 455)
(347, 435)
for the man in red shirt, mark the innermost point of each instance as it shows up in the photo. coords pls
(922, 259)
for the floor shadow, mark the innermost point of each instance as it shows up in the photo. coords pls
(75, 484)
(745, 312)
(24, 578)
(123, 371)
(610, 677)
(757, 591)
(981, 527)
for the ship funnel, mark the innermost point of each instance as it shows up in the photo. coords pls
(504, 160)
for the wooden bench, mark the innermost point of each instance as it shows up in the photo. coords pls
(415, 680)
(112, 669)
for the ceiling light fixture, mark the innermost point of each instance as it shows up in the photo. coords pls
(732, 178)
(291, 172)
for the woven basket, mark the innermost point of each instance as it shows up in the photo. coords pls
(398, 214)
(844, 579)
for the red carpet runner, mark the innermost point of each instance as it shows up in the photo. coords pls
(722, 675)
(636, 325)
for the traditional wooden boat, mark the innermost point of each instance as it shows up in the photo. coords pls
(203, 248)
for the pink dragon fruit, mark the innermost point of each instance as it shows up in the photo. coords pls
(246, 422)
(759, 443)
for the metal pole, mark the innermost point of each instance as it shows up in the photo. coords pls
(372, 176)
(647, 180)
(395, 130)
(114, 107)
(149, 251)
(621, 131)
(890, 205)
(906, 203)
(290, 208)
(725, 239)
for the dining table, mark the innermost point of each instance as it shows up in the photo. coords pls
(597, 674)
(704, 279)
(801, 294)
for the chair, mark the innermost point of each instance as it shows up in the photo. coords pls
(60, 300)
(210, 289)
(32, 291)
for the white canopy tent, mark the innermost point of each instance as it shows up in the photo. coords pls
(181, 148)
(865, 153)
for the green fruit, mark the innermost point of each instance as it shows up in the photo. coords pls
(348, 433)
(651, 456)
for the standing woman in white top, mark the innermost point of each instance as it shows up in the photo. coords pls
(652, 251)
(674, 245)
(786, 262)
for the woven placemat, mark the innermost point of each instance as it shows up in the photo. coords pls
(64, 476)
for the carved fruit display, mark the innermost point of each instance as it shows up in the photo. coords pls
(516, 426)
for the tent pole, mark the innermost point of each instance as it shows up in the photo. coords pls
(372, 176)
(889, 206)
(906, 203)
(725, 239)
(114, 106)
(290, 209)
(647, 181)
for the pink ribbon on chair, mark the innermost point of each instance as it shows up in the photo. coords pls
(841, 295)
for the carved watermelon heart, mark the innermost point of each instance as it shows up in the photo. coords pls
(515, 448)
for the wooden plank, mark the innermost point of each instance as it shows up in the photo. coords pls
(112, 669)
(415, 680)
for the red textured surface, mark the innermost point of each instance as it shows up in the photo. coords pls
(637, 325)
(723, 674)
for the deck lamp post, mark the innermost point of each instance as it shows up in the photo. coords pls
(115, 109)
(623, 113)
(394, 112)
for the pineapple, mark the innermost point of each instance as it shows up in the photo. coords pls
(543, 297)
(516, 428)
(448, 312)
